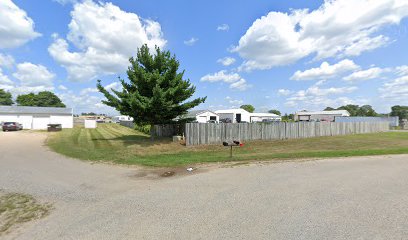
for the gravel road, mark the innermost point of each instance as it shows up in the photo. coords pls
(350, 198)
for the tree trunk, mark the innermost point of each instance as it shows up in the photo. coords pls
(152, 132)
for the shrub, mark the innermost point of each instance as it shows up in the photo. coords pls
(143, 128)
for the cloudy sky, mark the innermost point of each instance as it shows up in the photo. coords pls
(287, 55)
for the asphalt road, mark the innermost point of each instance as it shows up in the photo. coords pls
(350, 198)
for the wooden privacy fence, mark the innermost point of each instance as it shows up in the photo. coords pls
(168, 130)
(216, 133)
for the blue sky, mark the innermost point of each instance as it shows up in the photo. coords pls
(286, 55)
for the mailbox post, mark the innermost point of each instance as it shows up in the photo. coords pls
(232, 144)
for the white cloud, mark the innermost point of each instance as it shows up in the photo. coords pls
(338, 28)
(86, 103)
(234, 101)
(223, 27)
(106, 37)
(396, 90)
(5, 82)
(368, 74)
(221, 76)
(191, 41)
(402, 70)
(234, 79)
(326, 71)
(284, 92)
(315, 97)
(115, 86)
(33, 77)
(16, 27)
(62, 88)
(227, 61)
(87, 91)
(240, 85)
(6, 61)
(63, 2)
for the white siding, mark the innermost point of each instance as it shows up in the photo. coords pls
(40, 123)
(90, 123)
(65, 121)
(206, 116)
(25, 120)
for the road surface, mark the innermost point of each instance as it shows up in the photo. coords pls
(349, 198)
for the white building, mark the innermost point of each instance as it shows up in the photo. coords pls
(236, 115)
(203, 116)
(264, 117)
(328, 116)
(117, 119)
(37, 117)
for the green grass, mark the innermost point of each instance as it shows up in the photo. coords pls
(117, 144)
(18, 208)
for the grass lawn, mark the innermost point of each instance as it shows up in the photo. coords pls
(117, 144)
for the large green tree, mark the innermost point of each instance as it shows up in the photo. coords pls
(5, 98)
(274, 111)
(367, 111)
(400, 111)
(156, 92)
(356, 110)
(42, 99)
(248, 107)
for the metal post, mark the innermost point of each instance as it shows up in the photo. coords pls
(231, 152)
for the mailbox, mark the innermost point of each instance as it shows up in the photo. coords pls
(232, 144)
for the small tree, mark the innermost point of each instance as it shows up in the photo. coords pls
(248, 108)
(274, 111)
(156, 92)
(5, 98)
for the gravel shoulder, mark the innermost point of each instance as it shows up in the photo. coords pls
(346, 198)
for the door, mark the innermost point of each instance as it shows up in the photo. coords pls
(40, 122)
(238, 117)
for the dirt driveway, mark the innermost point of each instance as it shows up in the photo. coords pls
(352, 198)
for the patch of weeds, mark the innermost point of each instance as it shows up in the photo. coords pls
(16, 208)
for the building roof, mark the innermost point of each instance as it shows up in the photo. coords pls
(334, 112)
(234, 110)
(194, 113)
(34, 110)
(263, 115)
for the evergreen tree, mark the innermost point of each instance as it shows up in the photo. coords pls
(156, 92)
(5, 98)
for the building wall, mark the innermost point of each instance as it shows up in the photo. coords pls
(259, 118)
(65, 121)
(205, 117)
(38, 122)
(226, 115)
(315, 117)
(25, 120)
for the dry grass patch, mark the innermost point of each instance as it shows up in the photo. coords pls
(16, 208)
